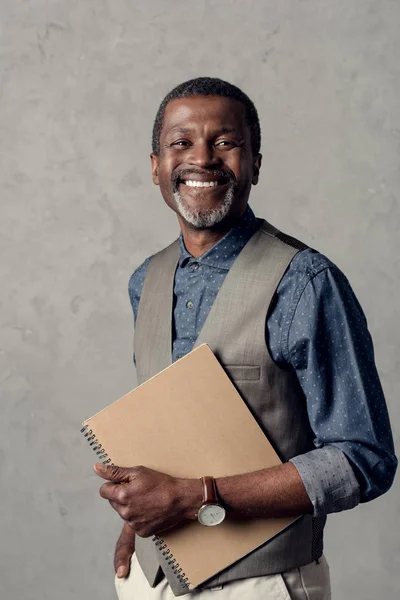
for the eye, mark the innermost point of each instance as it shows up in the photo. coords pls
(180, 143)
(224, 143)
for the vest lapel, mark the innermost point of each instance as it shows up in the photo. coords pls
(227, 301)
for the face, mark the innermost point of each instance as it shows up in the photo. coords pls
(205, 167)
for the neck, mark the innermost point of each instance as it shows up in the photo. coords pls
(198, 241)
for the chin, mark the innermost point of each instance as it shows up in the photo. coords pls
(204, 218)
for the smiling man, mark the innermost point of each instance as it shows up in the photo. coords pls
(203, 198)
(285, 323)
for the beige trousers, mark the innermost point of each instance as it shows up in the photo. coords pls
(310, 582)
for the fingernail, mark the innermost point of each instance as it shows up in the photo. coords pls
(121, 572)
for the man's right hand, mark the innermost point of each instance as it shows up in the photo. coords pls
(124, 549)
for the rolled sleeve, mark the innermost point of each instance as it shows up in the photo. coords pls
(329, 480)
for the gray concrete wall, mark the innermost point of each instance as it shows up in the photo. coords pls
(79, 86)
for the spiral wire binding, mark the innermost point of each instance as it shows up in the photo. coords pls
(96, 446)
(171, 561)
(159, 543)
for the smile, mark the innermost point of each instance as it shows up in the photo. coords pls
(201, 184)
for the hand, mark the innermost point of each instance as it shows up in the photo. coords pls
(149, 501)
(124, 549)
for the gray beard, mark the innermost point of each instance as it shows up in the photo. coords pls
(202, 219)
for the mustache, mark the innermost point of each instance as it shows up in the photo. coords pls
(217, 173)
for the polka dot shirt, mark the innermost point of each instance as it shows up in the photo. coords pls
(317, 328)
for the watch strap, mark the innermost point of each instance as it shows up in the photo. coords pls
(209, 490)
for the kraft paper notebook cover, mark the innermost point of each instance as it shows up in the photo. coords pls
(189, 421)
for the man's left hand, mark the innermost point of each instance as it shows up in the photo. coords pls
(148, 500)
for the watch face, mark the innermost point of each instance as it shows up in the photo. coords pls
(211, 514)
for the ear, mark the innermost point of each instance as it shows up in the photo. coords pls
(256, 168)
(154, 167)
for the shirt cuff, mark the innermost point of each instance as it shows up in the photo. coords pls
(329, 480)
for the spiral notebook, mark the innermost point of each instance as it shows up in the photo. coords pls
(188, 421)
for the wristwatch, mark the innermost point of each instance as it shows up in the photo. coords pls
(211, 512)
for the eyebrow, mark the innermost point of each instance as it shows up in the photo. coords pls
(180, 129)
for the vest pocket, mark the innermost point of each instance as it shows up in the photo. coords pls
(243, 372)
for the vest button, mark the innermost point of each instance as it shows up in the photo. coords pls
(189, 304)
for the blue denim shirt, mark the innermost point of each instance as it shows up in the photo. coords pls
(316, 326)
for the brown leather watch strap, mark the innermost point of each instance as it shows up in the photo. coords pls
(209, 490)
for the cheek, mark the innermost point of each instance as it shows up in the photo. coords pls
(241, 167)
(246, 174)
(165, 169)
(165, 182)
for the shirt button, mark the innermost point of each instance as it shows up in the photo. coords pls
(189, 304)
(194, 266)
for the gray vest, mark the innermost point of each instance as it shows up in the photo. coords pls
(235, 329)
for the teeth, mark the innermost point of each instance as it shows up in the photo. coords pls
(191, 183)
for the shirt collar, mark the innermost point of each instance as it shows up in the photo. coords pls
(226, 250)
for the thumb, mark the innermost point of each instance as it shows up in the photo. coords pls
(112, 473)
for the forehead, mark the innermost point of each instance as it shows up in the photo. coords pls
(205, 111)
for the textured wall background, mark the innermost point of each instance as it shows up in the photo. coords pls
(80, 85)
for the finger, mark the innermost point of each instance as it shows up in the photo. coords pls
(119, 508)
(122, 560)
(112, 491)
(123, 570)
(112, 472)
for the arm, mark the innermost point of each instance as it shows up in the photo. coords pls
(275, 492)
(151, 502)
(324, 337)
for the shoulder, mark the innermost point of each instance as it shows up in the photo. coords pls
(136, 282)
(307, 265)
(137, 278)
(313, 276)
(310, 262)
(312, 297)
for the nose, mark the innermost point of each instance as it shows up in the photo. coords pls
(203, 154)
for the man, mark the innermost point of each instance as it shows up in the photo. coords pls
(287, 320)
